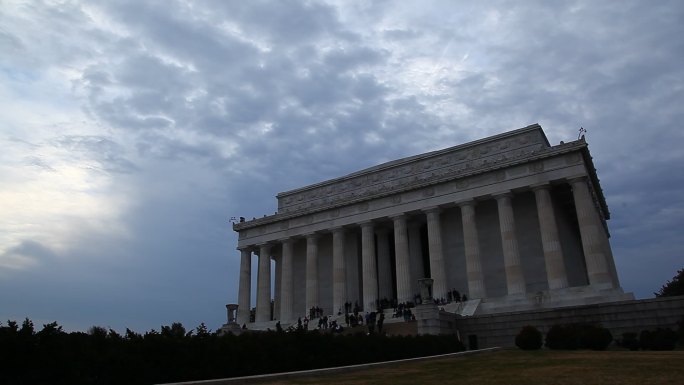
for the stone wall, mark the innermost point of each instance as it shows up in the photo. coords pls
(618, 317)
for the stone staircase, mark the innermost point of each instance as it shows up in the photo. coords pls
(470, 307)
(465, 309)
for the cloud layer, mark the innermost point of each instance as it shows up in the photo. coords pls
(132, 131)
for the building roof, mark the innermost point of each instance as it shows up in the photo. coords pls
(324, 195)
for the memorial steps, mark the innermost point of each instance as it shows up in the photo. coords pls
(467, 308)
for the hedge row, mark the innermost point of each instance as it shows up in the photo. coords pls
(566, 337)
(595, 337)
(52, 356)
(659, 339)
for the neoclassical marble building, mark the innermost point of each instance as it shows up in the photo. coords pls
(509, 220)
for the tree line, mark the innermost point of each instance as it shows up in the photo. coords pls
(173, 354)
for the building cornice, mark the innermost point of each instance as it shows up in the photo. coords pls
(485, 166)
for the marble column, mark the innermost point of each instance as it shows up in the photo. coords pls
(311, 271)
(287, 281)
(471, 243)
(437, 266)
(553, 253)
(244, 295)
(592, 233)
(384, 264)
(515, 279)
(417, 270)
(339, 271)
(352, 268)
(263, 306)
(402, 262)
(370, 276)
(278, 259)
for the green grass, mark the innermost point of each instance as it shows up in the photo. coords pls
(523, 367)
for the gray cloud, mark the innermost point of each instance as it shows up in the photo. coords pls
(401, 34)
(32, 252)
(110, 156)
(38, 162)
(199, 112)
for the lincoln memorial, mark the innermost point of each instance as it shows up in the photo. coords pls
(510, 221)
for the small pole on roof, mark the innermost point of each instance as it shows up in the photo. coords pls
(582, 131)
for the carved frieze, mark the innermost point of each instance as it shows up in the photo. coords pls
(573, 158)
(433, 168)
(430, 178)
(462, 183)
(536, 166)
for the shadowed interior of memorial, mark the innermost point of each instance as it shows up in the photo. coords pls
(510, 221)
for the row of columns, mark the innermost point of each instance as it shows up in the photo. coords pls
(377, 279)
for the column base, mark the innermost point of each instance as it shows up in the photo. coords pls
(427, 316)
(230, 328)
(265, 325)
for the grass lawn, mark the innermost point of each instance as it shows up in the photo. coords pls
(522, 367)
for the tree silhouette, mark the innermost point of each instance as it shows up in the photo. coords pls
(673, 287)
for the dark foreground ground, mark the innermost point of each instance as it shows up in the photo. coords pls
(523, 367)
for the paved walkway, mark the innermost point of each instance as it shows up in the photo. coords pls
(324, 371)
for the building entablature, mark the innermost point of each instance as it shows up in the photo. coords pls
(560, 165)
(440, 166)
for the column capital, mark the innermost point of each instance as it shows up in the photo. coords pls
(313, 236)
(366, 224)
(337, 229)
(540, 186)
(503, 194)
(285, 240)
(432, 209)
(467, 202)
(398, 216)
(263, 248)
(577, 179)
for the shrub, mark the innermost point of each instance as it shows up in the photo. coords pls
(529, 338)
(578, 336)
(659, 339)
(558, 338)
(594, 337)
(629, 341)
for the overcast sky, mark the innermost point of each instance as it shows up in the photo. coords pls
(132, 131)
